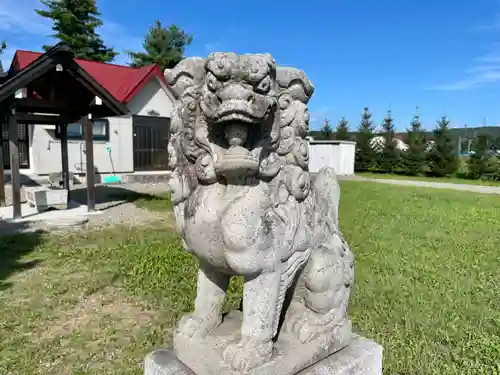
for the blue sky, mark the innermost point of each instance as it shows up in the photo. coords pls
(443, 56)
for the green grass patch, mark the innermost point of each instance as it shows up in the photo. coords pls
(450, 180)
(427, 286)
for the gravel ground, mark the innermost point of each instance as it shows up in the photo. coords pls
(109, 200)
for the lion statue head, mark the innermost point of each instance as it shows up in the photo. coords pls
(237, 117)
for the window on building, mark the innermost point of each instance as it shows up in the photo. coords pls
(76, 130)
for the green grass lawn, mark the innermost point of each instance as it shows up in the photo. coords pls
(451, 180)
(427, 287)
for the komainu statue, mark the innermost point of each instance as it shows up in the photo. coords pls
(246, 205)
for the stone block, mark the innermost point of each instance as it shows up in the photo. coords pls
(45, 197)
(361, 357)
(290, 356)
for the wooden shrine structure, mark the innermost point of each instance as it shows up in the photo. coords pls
(52, 90)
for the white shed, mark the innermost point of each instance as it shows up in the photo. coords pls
(340, 155)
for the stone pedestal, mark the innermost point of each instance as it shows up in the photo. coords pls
(45, 197)
(361, 357)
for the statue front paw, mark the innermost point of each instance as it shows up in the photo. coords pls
(191, 326)
(243, 358)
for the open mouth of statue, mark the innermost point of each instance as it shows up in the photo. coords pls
(236, 116)
(236, 159)
(237, 110)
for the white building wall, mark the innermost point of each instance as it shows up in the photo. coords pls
(151, 98)
(46, 150)
(45, 153)
(340, 155)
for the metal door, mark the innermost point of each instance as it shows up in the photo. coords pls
(151, 135)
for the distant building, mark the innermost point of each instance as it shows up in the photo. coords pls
(378, 142)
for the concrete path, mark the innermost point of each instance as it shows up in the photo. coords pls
(429, 184)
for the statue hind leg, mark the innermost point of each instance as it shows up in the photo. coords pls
(319, 306)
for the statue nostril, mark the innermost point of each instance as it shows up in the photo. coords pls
(250, 98)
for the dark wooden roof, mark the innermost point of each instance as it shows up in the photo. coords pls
(56, 84)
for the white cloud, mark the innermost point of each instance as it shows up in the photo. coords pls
(116, 35)
(19, 17)
(483, 70)
(24, 29)
(318, 116)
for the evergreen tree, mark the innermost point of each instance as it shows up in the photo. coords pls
(342, 130)
(3, 46)
(75, 23)
(414, 158)
(478, 163)
(495, 146)
(365, 155)
(388, 157)
(326, 130)
(163, 46)
(442, 158)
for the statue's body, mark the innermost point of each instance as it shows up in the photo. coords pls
(246, 205)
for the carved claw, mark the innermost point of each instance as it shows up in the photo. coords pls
(301, 329)
(307, 325)
(191, 326)
(243, 358)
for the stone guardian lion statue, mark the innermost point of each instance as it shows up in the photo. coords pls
(246, 205)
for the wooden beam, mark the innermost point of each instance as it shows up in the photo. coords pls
(15, 174)
(63, 133)
(31, 118)
(2, 175)
(41, 105)
(90, 172)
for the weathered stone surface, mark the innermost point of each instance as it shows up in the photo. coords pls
(246, 205)
(44, 198)
(361, 357)
(205, 356)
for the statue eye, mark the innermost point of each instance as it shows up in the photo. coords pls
(264, 85)
(213, 83)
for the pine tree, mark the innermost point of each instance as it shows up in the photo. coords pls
(388, 158)
(365, 155)
(442, 158)
(75, 23)
(326, 130)
(163, 46)
(495, 146)
(478, 164)
(414, 158)
(342, 130)
(3, 46)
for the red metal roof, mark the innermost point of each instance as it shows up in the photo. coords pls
(123, 82)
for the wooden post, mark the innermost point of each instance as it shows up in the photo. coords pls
(15, 174)
(89, 149)
(64, 157)
(2, 175)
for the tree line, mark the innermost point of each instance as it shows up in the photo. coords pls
(76, 23)
(416, 152)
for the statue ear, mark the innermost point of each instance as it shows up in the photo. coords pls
(187, 73)
(294, 82)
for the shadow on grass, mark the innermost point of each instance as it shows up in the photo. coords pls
(15, 246)
(115, 195)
